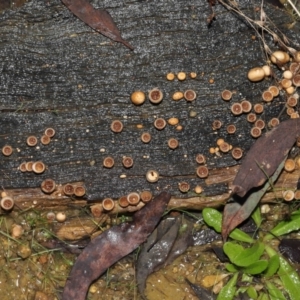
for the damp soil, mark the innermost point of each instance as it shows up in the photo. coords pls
(29, 270)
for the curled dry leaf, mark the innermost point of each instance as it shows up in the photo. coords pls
(265, 155)
(98, 19)
(112, 245)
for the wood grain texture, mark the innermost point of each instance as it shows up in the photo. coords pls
(56, 71)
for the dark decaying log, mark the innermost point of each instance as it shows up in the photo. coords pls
(57, 72)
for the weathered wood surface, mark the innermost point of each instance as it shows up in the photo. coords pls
(56, 71)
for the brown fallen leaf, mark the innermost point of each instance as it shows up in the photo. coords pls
(265, 156)
(98, 19)
(112, 245)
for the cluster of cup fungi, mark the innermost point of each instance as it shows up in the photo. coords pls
(287, 85)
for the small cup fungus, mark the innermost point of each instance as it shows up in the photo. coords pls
(202, 172)
(152, 176)
(49, 132)
(108, 204)
(200, 159)
(28, 166)
(217, 124)
(251, 117)
(255, 132)
(61, 217)
(22, 167)
(173, 121)
(48, 186)
(7, 203)
(138, 97)
(31, 141)
(146, 137)
(273, 122)
(280, 57)
(286, 83)
(184, 187)
(108, 162)
(294, 67)
(296, 80)
(193, 75)
(7, 150)
(267, 96)
(155, 96)
(116, 126)
(177, 96)
(127, 162)
(38, 167)
(288, 195)
(237, 153)
(256, 74)
(190, 95)
(267, 69)
(198, 189)
(292, 101)
(170, 76)
(236, 109)
(173, 143)
(160, 123)
(45, 139)
(68, 189)
(123, 202)
(260, 124)
(224, 147)
(274, 90)
(226, 95)
(258, 108)
(133, 198)
(79, 190)
(231, 129)
(289, 165)
(246, 106)
(146, 196)
(181, 76)
(287, 74)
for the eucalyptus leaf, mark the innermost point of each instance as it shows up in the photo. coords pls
(228, 291)
(243, 257)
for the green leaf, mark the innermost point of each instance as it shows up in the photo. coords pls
(272, 266)
(256, 216)
(256, 268)
(263, 296)
(251, 292)
(243, 257)
(228, 291)
(231, 268)
(285, 227)
(289, 278)
(274, 292)
(213, 218)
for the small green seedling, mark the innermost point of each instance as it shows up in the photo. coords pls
(256, 258)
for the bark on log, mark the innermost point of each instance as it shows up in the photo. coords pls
(57, 72)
